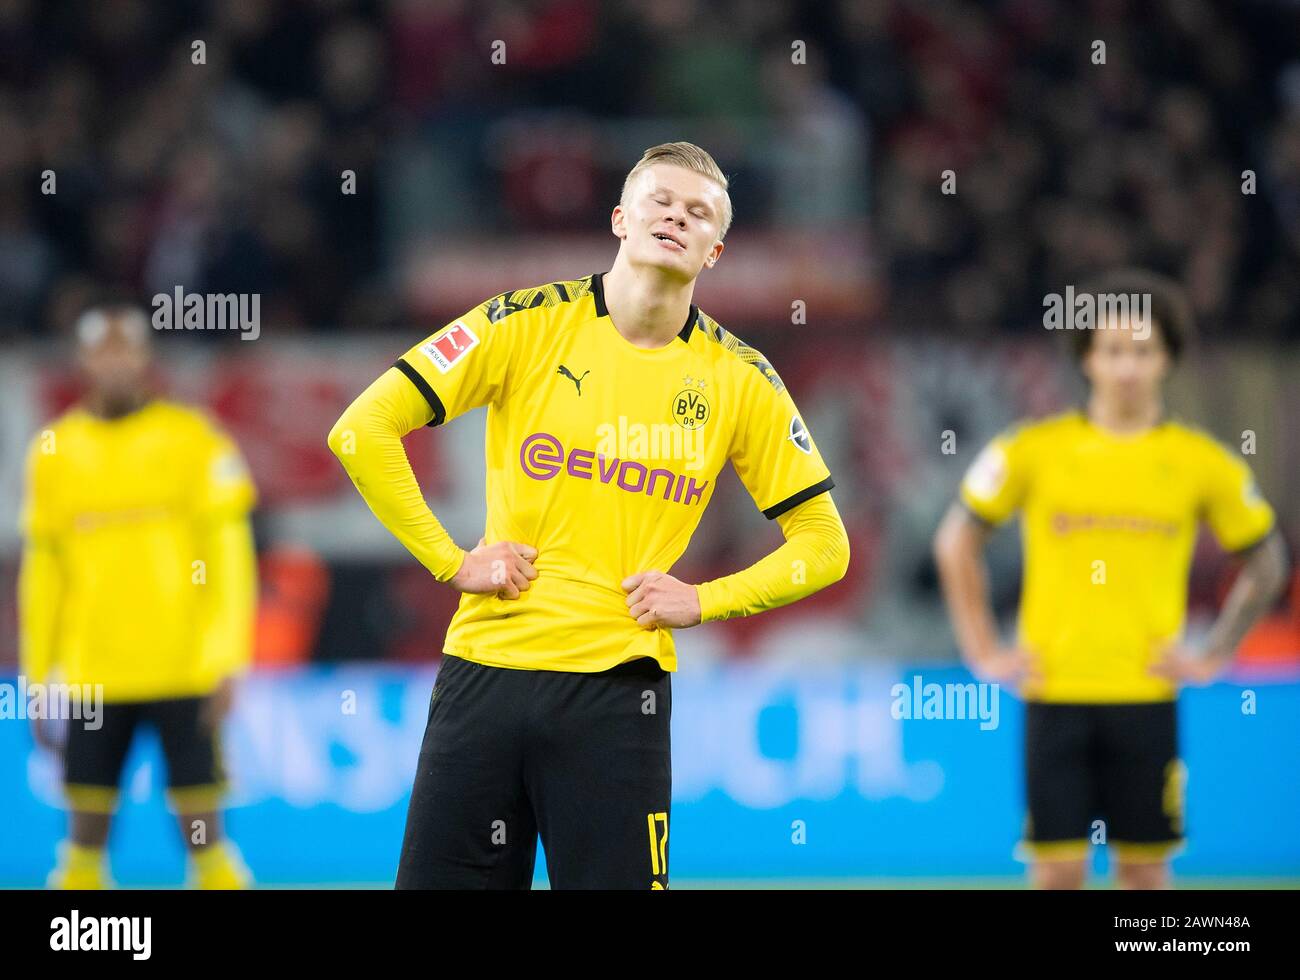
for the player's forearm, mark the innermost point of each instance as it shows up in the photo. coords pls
(40, 586)
(814, 555)
(367, 439)
(958, 554)
(1258, 584)
(230, 594)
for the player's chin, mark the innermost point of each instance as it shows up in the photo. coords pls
(680, 263)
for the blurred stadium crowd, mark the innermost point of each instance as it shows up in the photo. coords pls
(228, 178)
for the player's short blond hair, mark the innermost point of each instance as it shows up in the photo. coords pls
(690, 157)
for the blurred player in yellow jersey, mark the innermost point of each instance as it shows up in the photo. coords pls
(138, 582)
(1110, 499)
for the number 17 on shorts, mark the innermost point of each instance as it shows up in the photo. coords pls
(657, 824)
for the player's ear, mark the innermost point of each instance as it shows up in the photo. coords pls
(618, 221)
(715, 253)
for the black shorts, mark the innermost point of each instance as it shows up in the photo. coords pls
(1103, 773)
(93, 757)
(581, 759)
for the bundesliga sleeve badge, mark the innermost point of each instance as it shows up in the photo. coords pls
(988, 473)
(450, 346)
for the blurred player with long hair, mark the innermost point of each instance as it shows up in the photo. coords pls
(1110, 499)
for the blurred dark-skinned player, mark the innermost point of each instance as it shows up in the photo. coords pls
(138, 584)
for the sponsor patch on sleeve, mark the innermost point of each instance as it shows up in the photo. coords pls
(227, 468)
(1250, 494)
(799, 436)
(450, 346)
(988, 473)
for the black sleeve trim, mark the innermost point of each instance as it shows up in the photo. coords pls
(776, 510)
(422, 386)
(978, 518)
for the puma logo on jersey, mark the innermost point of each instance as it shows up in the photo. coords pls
(577, 382)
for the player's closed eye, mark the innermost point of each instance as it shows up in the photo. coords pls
(697, 212)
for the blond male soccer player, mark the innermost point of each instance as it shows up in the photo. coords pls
(551, 710)
(1110, 498)
(138, 584)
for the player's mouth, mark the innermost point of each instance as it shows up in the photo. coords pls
(670, 241)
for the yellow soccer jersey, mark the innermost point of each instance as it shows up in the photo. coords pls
(603, 456)
(1108, 524)
(129, 514)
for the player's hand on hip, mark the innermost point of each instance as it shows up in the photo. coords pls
(505, 568)
(1182, 666)
(657, 599)
(1011, 666)
(44, 737)
(218, 704)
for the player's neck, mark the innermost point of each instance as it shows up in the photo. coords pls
(109, 408)
(649, 310)
(1124, 419)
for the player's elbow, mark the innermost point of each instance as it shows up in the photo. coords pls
(840, 555)
(953, 540)
(1270, 566)
(827, 544)
(342, 439)
(941, 546)
(1284, 565)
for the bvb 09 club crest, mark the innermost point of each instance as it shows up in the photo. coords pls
(690, 408)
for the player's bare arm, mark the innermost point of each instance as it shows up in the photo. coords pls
(1262, 577)
(959, 555)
